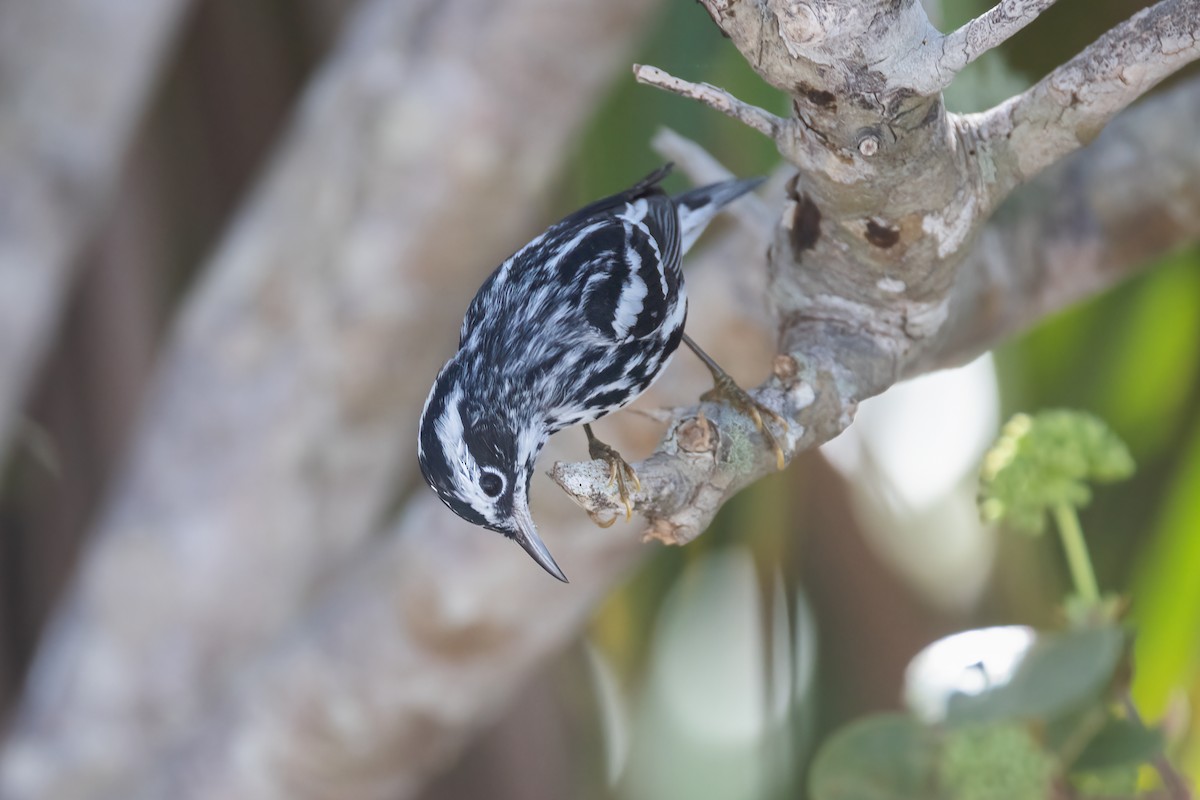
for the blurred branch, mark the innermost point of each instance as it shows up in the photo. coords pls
(1175, 785)
(283, 415)
(417, 647)
(76, 74)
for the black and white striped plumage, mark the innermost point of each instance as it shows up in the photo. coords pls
(573, 326)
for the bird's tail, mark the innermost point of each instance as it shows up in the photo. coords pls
(698, 206)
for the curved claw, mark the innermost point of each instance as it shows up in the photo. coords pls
(726, 390)
(602, 523)
(780, 458)
(619, 473)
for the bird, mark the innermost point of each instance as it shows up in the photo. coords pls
(571, 327)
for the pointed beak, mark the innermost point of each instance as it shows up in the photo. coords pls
(527, 537)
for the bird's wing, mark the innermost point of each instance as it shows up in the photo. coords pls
(617, 261)
(629, 269)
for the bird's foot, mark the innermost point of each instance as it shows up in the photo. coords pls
(621, 474)
(726, 390)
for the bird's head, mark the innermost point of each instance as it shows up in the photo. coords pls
(480, 461)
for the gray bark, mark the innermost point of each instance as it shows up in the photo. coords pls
(879, 244)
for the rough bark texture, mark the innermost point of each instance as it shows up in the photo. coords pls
(870, 257)
(236, 633)
(64, 127)
(289, 388)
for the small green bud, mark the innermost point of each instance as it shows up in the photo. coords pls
(1045, 460)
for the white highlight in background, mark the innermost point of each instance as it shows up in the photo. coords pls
(911, 459)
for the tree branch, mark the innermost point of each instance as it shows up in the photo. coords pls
(984, 33)
(65, 125)
(1129, 197)
(892, 196)
(399, 664)
(1125, 200)
(1068, 107)
(764, 122)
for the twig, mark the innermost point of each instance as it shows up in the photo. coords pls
(762, 121)
(984, 33)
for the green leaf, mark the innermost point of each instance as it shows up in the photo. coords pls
(994, 762)
(885, 757)
(1059, 674)
(1120, 743)
(1046, 459)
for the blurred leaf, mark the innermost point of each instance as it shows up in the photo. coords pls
(886, 757)
(994, 762)
(1120, 743)
(1050, 365)
(1154, 364)
(957, 12)
(1043, 460)
(1167, 594)
(1106, 783)
(1068, 734)
(1059, 674)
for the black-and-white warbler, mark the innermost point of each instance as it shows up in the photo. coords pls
(573, 326)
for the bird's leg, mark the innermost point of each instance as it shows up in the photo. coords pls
(620, 471)
(726, 389)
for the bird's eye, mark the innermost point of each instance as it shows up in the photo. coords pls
(492, 483)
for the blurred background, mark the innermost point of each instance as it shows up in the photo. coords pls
(715, 668)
